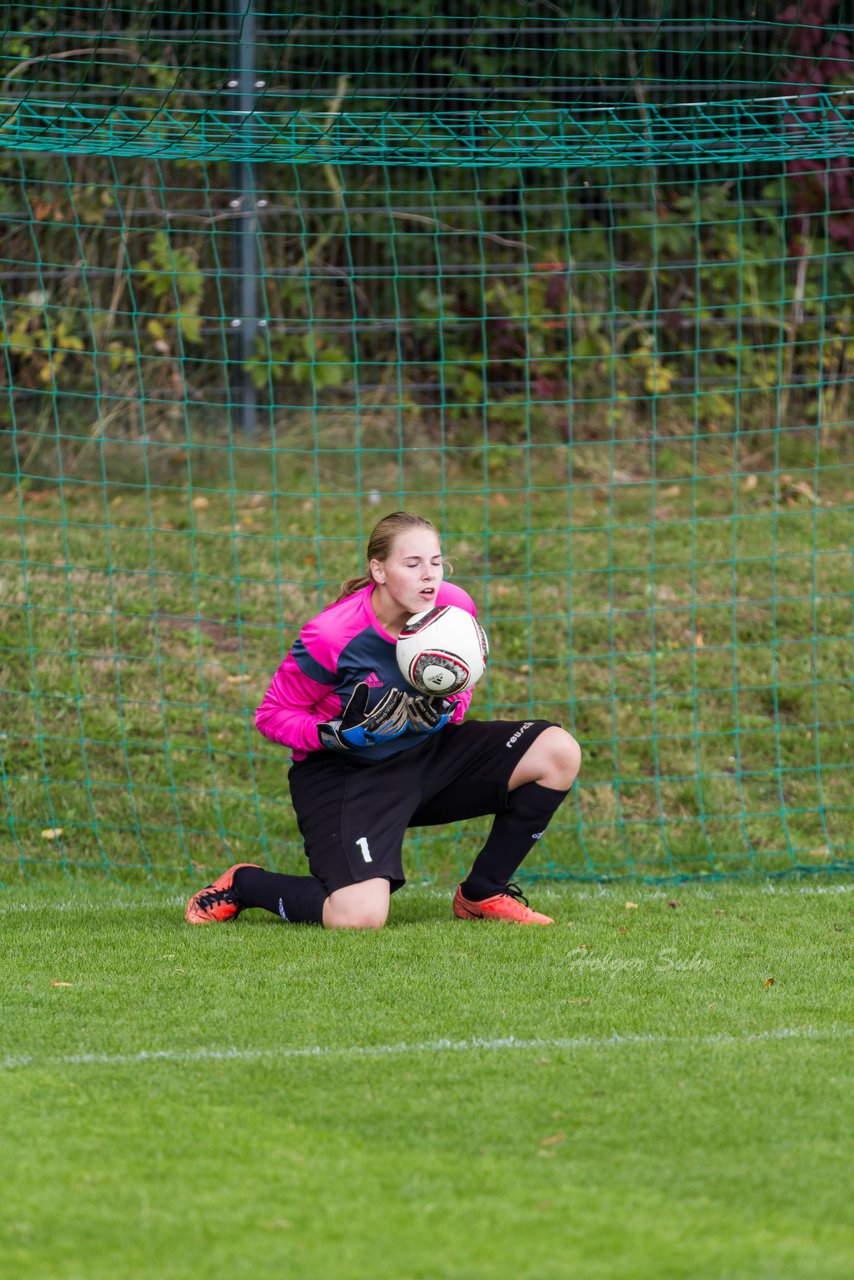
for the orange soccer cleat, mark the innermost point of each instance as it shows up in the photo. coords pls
(216, 902)
(510, 905)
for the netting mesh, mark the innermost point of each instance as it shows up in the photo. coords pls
(578, 287)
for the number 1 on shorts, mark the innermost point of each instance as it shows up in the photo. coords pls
(363, 845)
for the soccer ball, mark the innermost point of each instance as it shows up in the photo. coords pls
(442, 650)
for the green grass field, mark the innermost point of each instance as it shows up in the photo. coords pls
(652, 1090)
(655, 1090)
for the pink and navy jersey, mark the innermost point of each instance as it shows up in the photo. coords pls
(343, 646)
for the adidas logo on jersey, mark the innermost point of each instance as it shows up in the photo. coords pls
(373, 681)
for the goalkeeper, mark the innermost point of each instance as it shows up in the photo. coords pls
(371, 758)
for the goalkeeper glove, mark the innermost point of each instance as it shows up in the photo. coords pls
(359, 727)
(427, 714)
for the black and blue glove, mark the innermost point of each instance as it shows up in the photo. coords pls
(359, 727)
(428, 714)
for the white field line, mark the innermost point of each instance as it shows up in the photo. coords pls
(84, 904)
(474, 1045)
(543, 889)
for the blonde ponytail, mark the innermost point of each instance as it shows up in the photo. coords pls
(352, 585)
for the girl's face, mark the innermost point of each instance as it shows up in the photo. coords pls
(409, 579)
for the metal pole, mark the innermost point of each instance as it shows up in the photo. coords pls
(245, 317)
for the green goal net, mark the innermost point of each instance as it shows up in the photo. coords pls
(575, 281)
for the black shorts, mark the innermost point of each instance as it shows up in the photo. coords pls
(353, 816)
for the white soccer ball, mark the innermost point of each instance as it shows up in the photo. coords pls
(442, 650)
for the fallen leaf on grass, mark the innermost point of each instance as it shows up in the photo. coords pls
(790, 490)
(631, 906)
(769, 982)
(201, 503)
(674, 902)
(555, 1140)
(52, 833)
(62, 984)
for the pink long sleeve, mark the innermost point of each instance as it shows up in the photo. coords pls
(293, 707)
(338, 649)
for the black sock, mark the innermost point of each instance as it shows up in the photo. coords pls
(297, 899)
(513, 835)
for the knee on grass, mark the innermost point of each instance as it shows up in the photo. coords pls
(361, 919)
(358, 906)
